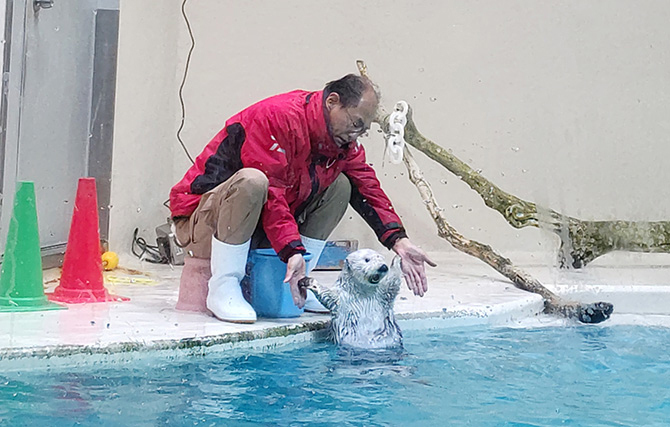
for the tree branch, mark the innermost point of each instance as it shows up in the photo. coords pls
(587, 313)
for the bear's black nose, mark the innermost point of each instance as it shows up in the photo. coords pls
(383, 269)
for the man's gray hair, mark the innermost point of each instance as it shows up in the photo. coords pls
(350, 88)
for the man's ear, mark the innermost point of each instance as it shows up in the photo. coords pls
(332, 100)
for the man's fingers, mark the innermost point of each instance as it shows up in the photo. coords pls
(429, 261)
(409, 283)
(418, 284)
(289, 274)
(296, 293)
(424, 282)
(415, 289)
(414, 282)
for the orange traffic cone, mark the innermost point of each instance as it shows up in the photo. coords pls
(81, 280)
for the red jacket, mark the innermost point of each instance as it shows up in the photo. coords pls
(286, 137)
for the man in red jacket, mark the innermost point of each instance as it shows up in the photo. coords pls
(283, 172)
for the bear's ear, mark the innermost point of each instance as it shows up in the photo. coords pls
(396, 263)
(346, 267)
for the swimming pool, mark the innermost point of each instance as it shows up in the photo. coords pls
(575, 375)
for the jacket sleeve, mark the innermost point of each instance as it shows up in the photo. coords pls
(264, 149)
(370, 201)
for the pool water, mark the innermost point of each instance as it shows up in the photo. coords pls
(579, 375)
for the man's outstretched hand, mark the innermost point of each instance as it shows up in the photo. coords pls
(295, 270)
(412, 266)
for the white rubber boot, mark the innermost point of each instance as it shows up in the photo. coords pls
(314, 247)
(225, 299)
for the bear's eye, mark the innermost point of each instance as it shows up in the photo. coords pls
(367, 259)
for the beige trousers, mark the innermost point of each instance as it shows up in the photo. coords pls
(231, 212)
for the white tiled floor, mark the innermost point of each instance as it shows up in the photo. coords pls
(460, 287)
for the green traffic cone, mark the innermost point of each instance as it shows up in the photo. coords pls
(21, 280)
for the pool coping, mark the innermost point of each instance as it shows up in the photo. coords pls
(463, 292)
(265, 338)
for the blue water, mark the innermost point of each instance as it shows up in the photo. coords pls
(585, 376)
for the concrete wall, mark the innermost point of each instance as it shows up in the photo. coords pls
(563, 103)
(3, 16)
(145, 118)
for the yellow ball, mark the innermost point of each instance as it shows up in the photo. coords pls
(110, 260)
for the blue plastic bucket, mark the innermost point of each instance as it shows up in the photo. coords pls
(270, 296)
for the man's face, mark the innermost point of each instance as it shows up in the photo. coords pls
(348, 123)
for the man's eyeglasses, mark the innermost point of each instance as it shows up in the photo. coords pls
(356, 125)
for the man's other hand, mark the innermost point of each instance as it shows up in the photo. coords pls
(413, 269)
(295, 270)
